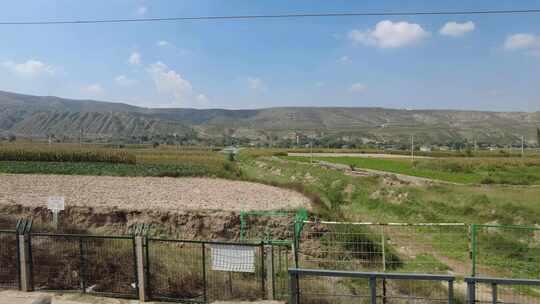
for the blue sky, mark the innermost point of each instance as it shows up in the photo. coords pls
(487, 62)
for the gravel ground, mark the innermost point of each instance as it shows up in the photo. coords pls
(143, 193)
(17, 297)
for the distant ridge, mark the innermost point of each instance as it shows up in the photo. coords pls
(37, 116)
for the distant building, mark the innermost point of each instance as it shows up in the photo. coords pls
(230, 150)
(425, 149)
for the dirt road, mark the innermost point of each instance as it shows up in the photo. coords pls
(147, 193)
(17, 297)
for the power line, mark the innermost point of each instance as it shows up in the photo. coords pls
(277, 16)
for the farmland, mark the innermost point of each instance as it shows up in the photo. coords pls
(513, 171)
(72, 159)
(106, 196)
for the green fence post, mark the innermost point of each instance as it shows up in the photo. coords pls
(242, 225)
(474, 250)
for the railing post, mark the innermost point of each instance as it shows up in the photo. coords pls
(451, 291)
(25, 262)
(494, 293)
(269, 260)
(373, 289)
(205, 284)
(474, 249)
(263, 269)
(293, 288)
(82, 270)
(141, 273)
(471, 292)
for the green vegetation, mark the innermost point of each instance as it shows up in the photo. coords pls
(66, 155)
(377, 199)
(169, 170)
(467, 171)
(70, 159)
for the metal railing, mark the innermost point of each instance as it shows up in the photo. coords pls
(502, 290)
(373, 278)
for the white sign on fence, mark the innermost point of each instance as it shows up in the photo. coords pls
(56, 203)
(233, 258)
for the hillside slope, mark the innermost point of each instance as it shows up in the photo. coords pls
(38, 116)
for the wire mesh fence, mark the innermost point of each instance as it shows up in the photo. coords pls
(413, 248)
(246, 282)
(194, 270)
(506, 291)
(282, 257)
(506, 251)
(319, 286)
(509, 252)
(176, 270)
(9, 273)
(90, 264)
(109, 266)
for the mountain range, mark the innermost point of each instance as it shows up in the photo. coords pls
(41, 116)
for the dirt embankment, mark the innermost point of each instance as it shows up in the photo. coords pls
(194, 224)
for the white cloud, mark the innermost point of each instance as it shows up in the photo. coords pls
(496, 93)
(455, 29)
(30, 68)
(358, 87)
(388, 34)
(142, 10)
(256, 83)
(93, 89)
(345, 59)
(521, 41)
(201, 98)
(168, 81)
(134, 59)
(163, 43)
(124, 81)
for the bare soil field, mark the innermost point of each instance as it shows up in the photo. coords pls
(146, 193)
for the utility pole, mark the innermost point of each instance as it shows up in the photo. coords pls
(522, 145)
(81, 138)
(311, 148)
(412, 147)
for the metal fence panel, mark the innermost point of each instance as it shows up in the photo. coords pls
(9, 273)
(176, 270)
(245, 286)
(355, 287)
(110, 266)
(505, 291)
(92, 264)
(282, 260)
(510, 252)
(506, 251)
(55, 262)
(412, 248)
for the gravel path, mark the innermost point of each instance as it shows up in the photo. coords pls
(18, 297)
(143, 193)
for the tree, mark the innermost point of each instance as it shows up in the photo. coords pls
(12, 138)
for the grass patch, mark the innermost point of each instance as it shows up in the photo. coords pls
(465, 171)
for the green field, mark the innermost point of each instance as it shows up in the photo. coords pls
(512, 171)
(72, 159)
